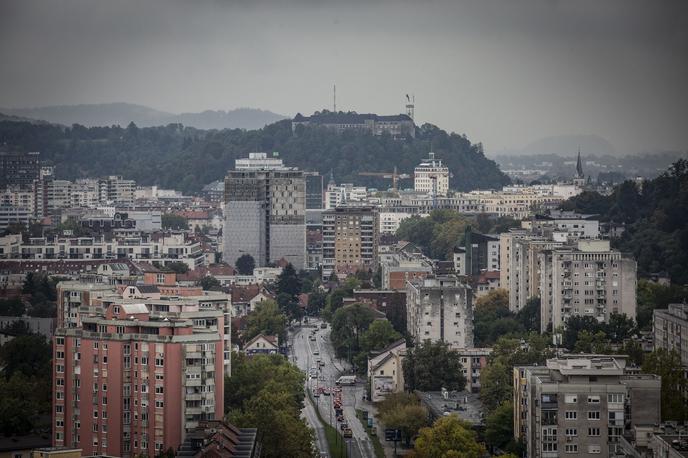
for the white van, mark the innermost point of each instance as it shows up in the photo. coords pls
(346, 380)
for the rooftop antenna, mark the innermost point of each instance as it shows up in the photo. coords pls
(410, 105)
(334, 98)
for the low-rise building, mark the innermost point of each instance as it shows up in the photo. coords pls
(262, 344)
(473, 361)
(385, 371)
(669, 327)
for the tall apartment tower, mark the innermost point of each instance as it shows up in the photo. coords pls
(431, 177)
(589, 280)
(133, 376)
(349, 239)
(440, 309)
(265, 212)
(581, 405)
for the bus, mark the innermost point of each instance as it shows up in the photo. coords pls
(346, 380)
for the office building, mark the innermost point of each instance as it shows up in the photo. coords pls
(19, 169)
(431, 177)
(440, 308)
(265, 207)
(483, 256)
(349, 240)
(581, 405)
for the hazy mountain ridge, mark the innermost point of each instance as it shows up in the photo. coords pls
(563, 145)
(109, 114)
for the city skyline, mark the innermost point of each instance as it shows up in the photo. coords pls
(582, 68)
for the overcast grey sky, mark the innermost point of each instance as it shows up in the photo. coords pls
(503, 72)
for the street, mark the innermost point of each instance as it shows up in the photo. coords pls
(305, 354)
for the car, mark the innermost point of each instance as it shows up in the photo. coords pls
(373, 432)
(348, 433)
(322, 363)
(326, 392)
(311, 338)
(343, 426)
(340, 418)
(316, 352)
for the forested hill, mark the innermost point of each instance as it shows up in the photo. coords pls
(186, 159)
(656, 219)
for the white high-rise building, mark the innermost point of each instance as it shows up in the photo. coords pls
(431, 177)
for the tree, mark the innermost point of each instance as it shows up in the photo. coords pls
(635, 352)
(348, 325)
(251, 374)
(529, 315)
(431, 366)
(12, 307)
(496, 378)
(210, 283)
(284, 433)
(288, 282)
(587, 342)
(379, 334)
(448, 437)
(492, 318)
(24, 401)
(174, 222)
(667, 364)
(499, 426)
(245, 264)
(177, 267)
(29, 355)
(574, 325)
(266, 392)
(316, 301)
(266, 319)
(620, 327)
(28, 286)
(409, 418)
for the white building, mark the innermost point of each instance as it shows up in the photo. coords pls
(344, 193)
(431, 177)
(440, 309)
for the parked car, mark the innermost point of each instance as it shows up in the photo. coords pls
(348, 432)
(344, 426)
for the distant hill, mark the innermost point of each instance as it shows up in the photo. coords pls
(186, 158)
(5, 117)
(109, 114)
(564, 145)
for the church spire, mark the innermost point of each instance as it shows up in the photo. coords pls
(579, 166)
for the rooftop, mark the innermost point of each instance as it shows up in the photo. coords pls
(465, 405)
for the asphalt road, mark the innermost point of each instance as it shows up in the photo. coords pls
(305, 354)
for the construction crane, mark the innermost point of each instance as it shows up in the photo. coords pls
(395, 176)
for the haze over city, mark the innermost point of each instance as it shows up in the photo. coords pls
(503, 73)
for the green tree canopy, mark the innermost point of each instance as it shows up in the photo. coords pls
(499, 426)
(667, 364)
(431, 366)
(266, 319)
(448, 437)
(379, 334)
(174, 222)
(245, 264)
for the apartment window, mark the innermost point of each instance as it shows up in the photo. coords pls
(593, 399)
(549, 446)
(95, 414)
(571, 415)
(159, 362)
(104, 400)
(571, 448)
(59, 368)
(59, 340)
(159, 404)
(95, 345)
(59, 382)
(60, 355)
(594, 415)
(115, 309)
(59, 395)
(571, 432)
(615, 397)
(593, 432)
(95, 427)
(571, 399)
(59, 423)
(594, 449)
(159, 390)
(105, 359)
(104, 386)
(59, 409)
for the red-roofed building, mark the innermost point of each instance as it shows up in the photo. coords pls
(487, 281)
(262, 344)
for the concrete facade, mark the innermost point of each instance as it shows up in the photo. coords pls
(440, 309)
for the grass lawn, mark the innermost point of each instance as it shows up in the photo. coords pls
(335, 441)
(375, 440)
